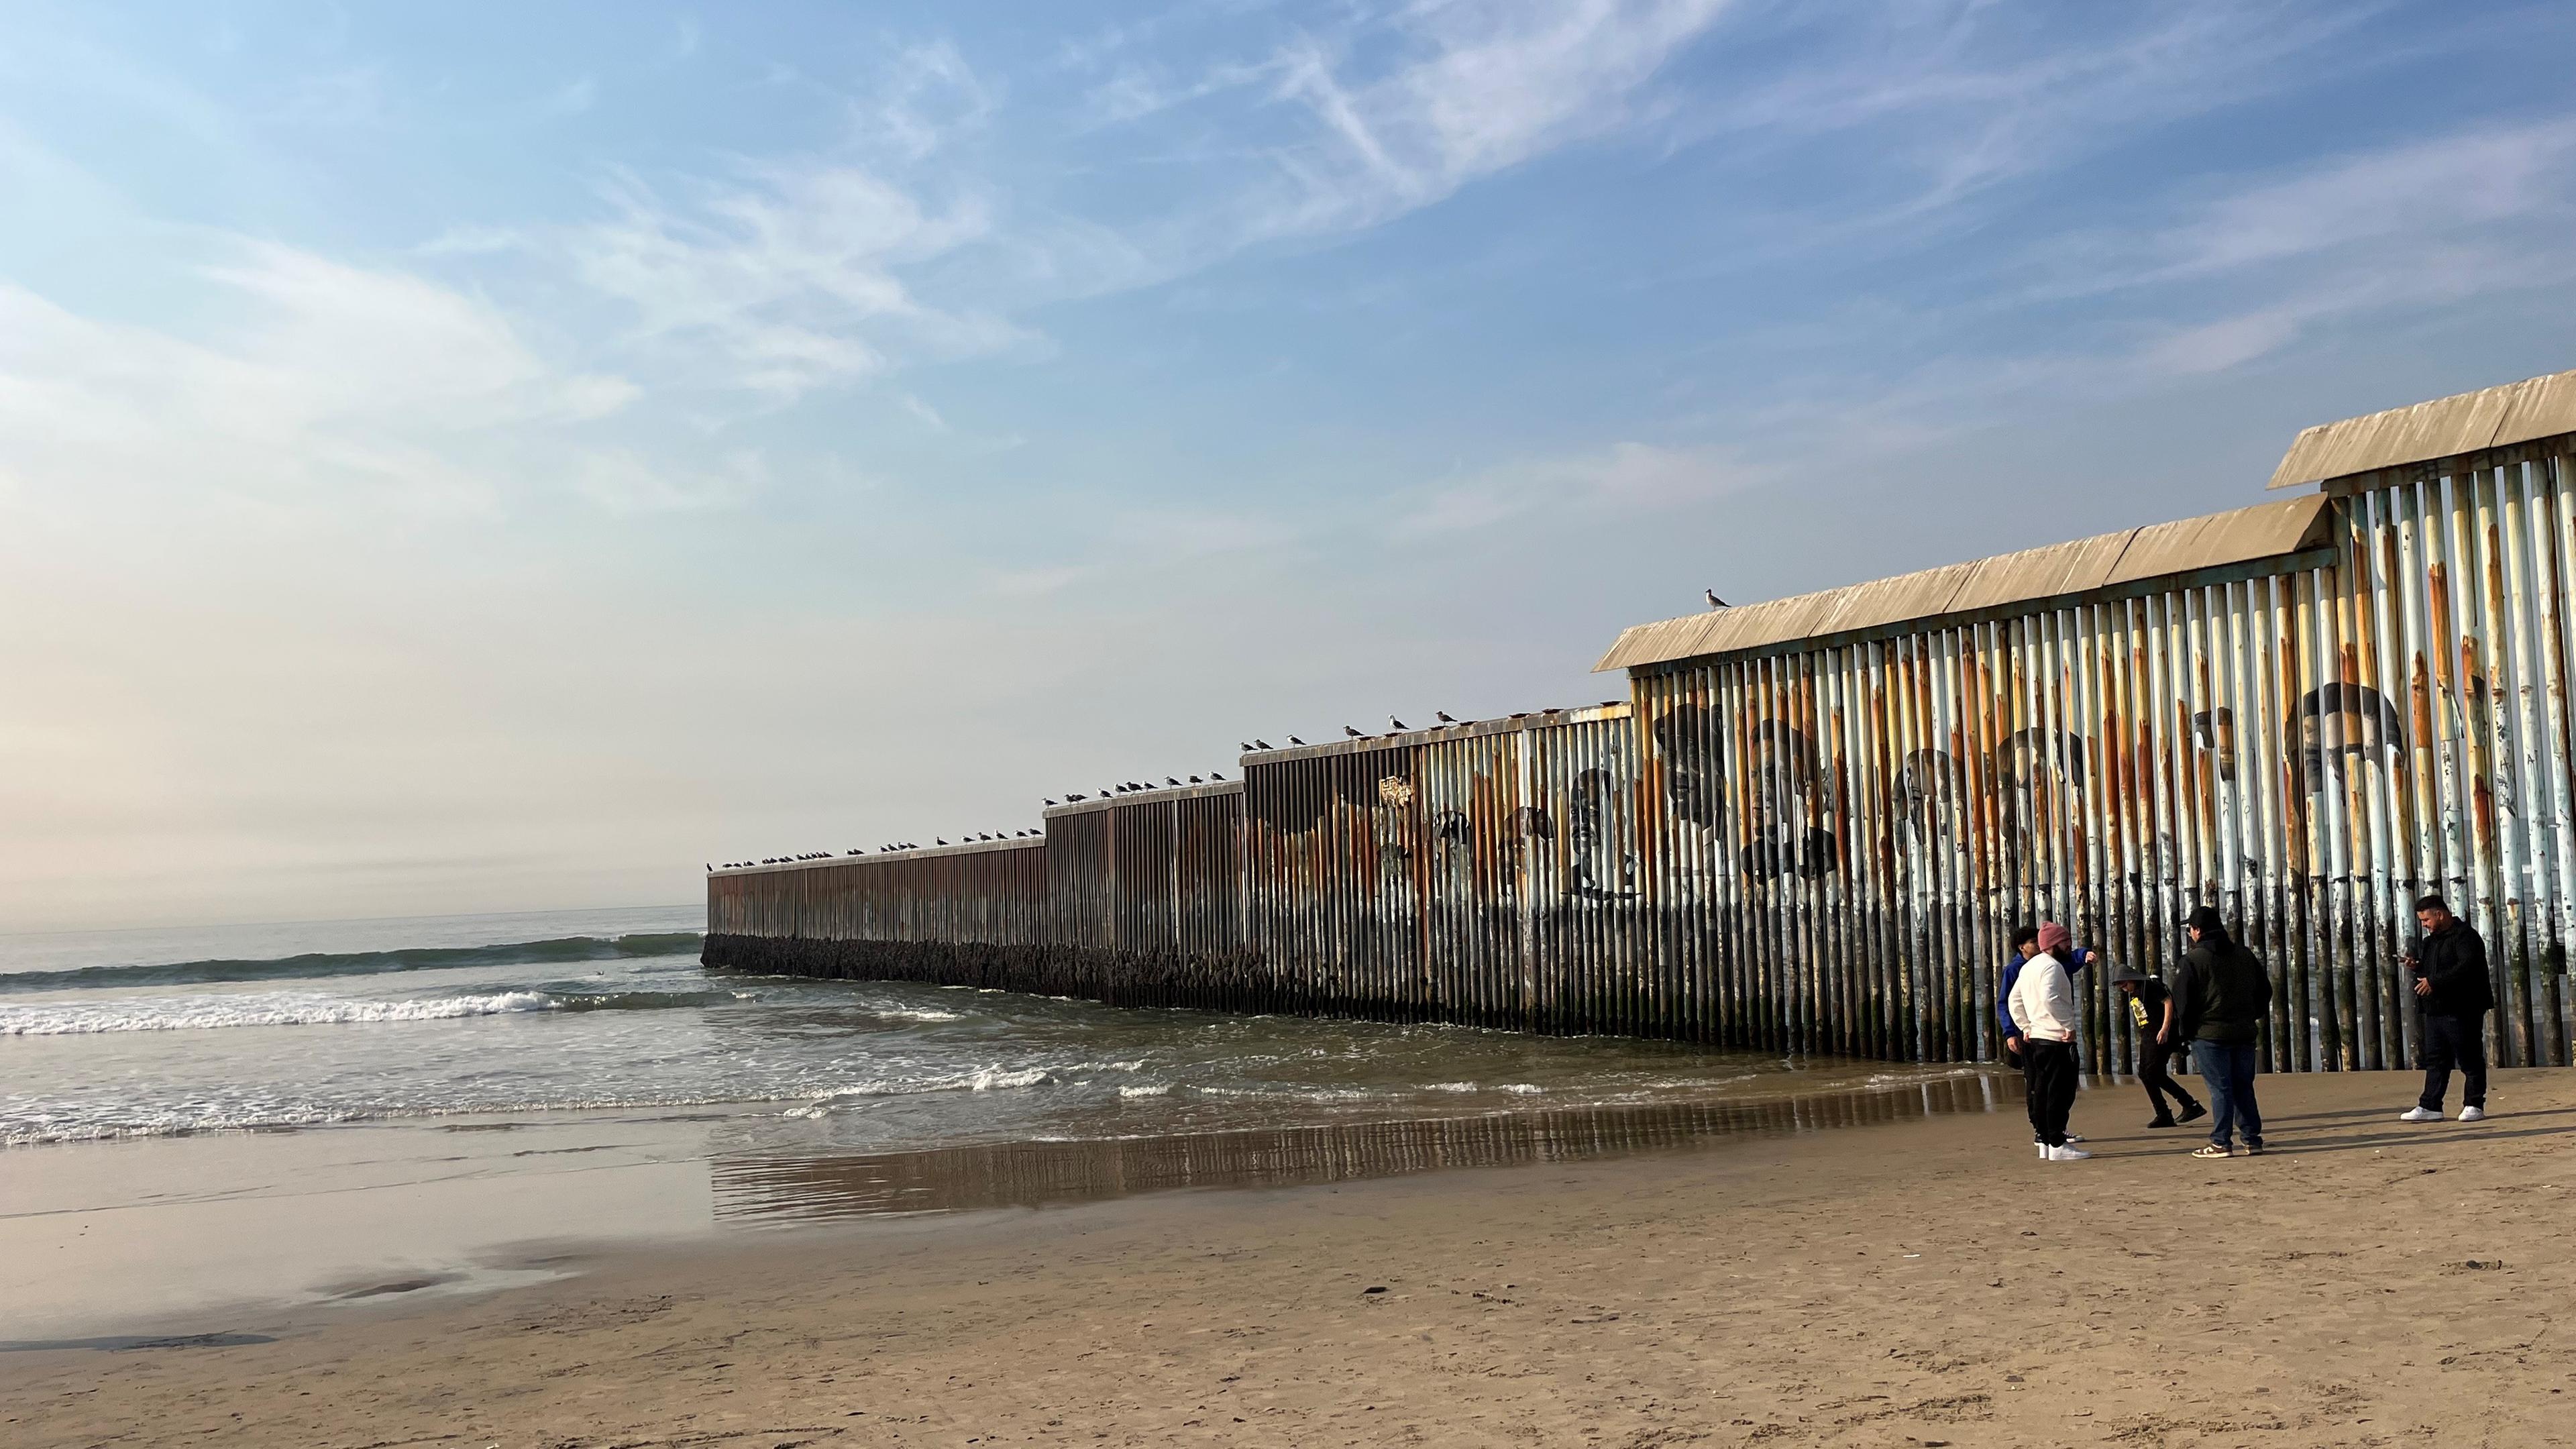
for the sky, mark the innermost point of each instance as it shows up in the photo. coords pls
(478, 457)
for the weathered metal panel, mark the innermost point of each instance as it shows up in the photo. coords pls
(2445, 428)
(1972, 592)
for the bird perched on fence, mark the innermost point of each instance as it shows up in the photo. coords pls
(942, 839)
(1260, 744)
(1353, 733)
(1443, 716)
(1171, 783)
(1394, 724)
(1242, 748)
(1216, 774)
(1292, 739)
(1195, 780)
(1714, 601)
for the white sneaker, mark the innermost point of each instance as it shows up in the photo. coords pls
(2043, 1150)
(2471, 1114)
(2418, 1114)
(2067, 1154)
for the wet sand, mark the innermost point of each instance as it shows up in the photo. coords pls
(1909, 1282)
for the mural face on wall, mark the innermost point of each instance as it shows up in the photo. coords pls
(1787, 794)
(2342, 732)
(1681, 737)
(2214, 732)
(1596, 867)
(1933, 791)
(2040, 776)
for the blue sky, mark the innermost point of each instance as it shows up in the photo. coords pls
(477, 457)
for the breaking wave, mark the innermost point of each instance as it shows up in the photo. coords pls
(363, 963)
(204, 1013)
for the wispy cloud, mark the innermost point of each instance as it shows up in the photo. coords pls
(2448, 186)
(1400, 113)
(1960, 98)
(788, 277)
(336, 380)
(927, 97)
(2271, 260)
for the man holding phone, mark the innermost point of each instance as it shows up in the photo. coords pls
(2449, 963)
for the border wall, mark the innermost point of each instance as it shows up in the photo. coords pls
(1814, 821)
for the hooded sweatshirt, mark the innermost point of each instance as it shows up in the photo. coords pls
(2043, 1000)
(2074, 958)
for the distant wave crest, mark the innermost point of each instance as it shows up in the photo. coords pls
(363, 963)
(206, 1013)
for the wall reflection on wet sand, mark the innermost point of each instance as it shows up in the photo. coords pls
(1036, 1174)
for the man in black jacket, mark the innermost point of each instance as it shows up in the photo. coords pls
(2221, 992)
(2451, 985)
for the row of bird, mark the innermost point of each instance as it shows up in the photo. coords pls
(977, 838)
(1131, 787)
(1393, 726)
(1139, 787)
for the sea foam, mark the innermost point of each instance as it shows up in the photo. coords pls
(202, 1013)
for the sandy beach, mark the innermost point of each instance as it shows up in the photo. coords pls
(1920, 1282)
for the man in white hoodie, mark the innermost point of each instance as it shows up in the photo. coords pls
(2043, 1007)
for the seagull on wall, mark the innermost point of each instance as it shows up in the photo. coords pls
(1258, 745)
(1395, 724)
(1444, 716)
(1171, 783)
(1216, 774)
(1714, 601)
(1292, 739)
(1353, 733)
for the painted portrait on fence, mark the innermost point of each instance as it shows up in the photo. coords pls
(1686, 748)
(2346, 735)
(1785, 805)
(1598, 864)
(2039, 777)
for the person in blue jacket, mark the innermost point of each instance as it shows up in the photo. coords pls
(2024, 941)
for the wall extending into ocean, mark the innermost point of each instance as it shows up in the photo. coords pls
(1814, 821)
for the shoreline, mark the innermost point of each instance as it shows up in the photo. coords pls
(172, 1235)
(1903, 1283)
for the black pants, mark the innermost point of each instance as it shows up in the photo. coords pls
(2155, 1072)
(2048, 1078)
(2451, 1041)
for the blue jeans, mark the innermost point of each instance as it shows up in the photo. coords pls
(2229, 1071)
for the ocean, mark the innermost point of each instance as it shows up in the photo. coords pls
(309, 1026)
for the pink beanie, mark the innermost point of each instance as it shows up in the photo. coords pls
(2053, 938)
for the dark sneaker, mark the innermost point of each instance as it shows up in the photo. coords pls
(2253, 1146)
(2194, 1112)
